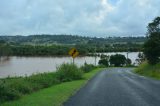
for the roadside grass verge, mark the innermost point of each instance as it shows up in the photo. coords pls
(14, 88)
(53, 96)
(148, 70)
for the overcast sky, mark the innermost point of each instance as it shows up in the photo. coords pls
(99, 18)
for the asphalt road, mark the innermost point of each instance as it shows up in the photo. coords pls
(117, 87)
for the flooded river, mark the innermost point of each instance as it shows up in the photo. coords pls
(21, 66)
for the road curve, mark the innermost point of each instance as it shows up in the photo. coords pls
(117, 87)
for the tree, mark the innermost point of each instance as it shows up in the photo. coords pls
(103, 60)
(117, 60)
(141, 58)
(152, 45)
(5, 49)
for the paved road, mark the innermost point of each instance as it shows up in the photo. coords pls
(117, 87)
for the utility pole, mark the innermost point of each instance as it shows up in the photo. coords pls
(127, 57)
(95, 56)
(127, 54)
(73, 60)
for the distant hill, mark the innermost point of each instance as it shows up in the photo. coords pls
(70, 39)
(55, 45)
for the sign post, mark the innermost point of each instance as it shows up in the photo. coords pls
(74, 53)
(95, 56)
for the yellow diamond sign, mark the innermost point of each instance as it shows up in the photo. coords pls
(73, 52)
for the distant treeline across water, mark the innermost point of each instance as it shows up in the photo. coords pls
(58, 45)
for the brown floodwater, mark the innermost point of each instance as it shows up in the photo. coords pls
(22, 66)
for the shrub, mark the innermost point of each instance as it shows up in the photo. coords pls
(20, 85)
(13, 88)
(43, 80)
(87, 67)
(103, 62)
(147, 69)
(7, 93)
(101, 66)
(68, 72)
(117, 60)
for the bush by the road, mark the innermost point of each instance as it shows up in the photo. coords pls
(87, 67)
(6, 93)
(149, 70)
(13, 88)
(68, 72)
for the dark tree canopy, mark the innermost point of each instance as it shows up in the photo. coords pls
(117, 60)
(152, 45)
(154, 27)
(103, 60)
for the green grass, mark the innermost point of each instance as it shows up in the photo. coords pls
(52, 96)
(14, 88)
(148, 70)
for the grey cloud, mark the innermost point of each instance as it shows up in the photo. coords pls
(82, 17)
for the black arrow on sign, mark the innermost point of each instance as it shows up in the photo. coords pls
(74, 52)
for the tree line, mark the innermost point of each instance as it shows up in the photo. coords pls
(61, 50)
(70, 39)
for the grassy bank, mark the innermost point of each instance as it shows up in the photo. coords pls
(15, 88)
(146, 69)
(54, 95)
